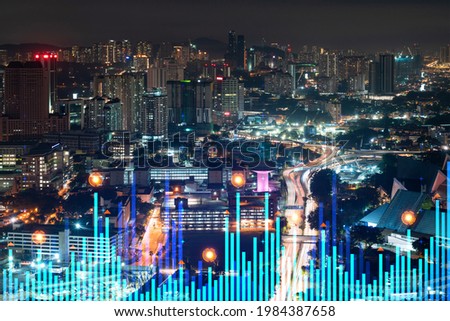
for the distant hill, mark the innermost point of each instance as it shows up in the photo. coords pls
(215, 48)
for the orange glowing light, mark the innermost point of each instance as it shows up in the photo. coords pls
(209, 255)
(38, 237)
(95, 179)
(408, 218)
(238, 180)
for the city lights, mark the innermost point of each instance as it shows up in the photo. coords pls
(408, 218)
(39, 237)
(209, 255)
(208, 164)
(238, 180)
(95, 179)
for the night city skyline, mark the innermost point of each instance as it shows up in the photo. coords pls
(349, 24)
(225, 151)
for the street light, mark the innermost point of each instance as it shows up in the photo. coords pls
(209, 255)
(38, 237)
(238, 180)
(95, 179)
(408, 218)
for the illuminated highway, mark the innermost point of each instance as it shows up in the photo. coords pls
(300, 238)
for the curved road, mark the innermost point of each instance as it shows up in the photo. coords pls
(300, 238)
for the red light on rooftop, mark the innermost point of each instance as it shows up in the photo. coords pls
(45, 56)
(36, 56)
(55, 56)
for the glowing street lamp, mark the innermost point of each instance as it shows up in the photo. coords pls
(408, 218)
(238, 180)
(38, 237)
(95, 179)
(209, 255)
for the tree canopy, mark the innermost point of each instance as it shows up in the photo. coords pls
(366, 235)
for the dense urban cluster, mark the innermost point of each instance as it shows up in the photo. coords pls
(201, 136)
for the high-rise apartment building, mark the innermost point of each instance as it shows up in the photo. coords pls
(26, 102)
(26, 91)
(2, 89)
(112, 52)
(3, 57)
(444, 54)
(129, 89)
(240, 53)
(155, 113)
(231, 99)
(236, 52)
(386, 74)
(189, 101)
(48, 61)
(43, 167)
(381, 75)
(161, 72)
(144, 48)
(104, 113)
(75, 109)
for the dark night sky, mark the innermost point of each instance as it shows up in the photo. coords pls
(359, 24)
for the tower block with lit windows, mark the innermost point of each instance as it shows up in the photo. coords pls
(48, 61)
(29, 99)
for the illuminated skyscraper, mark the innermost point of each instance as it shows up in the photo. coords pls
(160, 73)
(381, 75)
(112, 52)
(155, 113)
(236, 53)
(240, 53)
(2, 89)
(374, 77)
(231, 50)
(27, 97)
(189, 101)
(26, 91)
(102, 113)
(386, 74)
(3, 57)
(144, 48)
(444, 54)
(75, 109)
(48, 61)
(140, 63)
(129, 89)
(232, 98)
